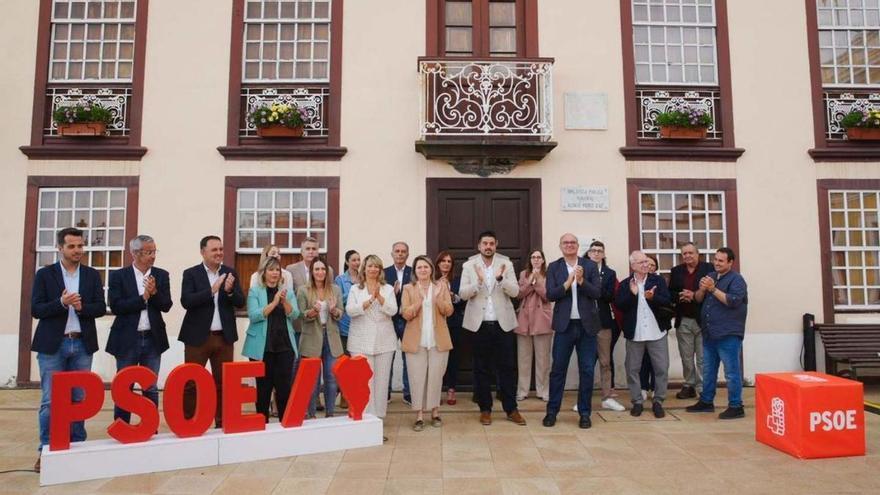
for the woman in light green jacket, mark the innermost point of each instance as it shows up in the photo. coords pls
(321, 302)
(271, 310)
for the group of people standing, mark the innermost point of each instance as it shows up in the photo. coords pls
(574, 304)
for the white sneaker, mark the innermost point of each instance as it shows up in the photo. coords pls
(644, 395)
(612, 405)
(575, 408)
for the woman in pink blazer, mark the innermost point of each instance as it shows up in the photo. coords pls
(534, 333)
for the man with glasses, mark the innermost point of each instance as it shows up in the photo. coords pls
(138, 295)
(573, 284)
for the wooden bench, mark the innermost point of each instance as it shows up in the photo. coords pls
(855, 345)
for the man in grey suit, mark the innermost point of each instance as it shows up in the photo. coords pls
(488, 281)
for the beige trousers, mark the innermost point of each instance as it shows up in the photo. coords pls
(381, 366)
(425, 370)
(526, 346)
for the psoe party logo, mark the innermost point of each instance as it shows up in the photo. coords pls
(776, 418)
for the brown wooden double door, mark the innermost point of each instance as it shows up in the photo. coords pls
(459, 209)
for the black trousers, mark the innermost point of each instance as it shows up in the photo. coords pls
(278, 377)
(494, 354)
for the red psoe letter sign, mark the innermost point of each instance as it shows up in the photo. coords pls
(206, 400)
(127, 399)
(301, 392)
(235, 394)
(353, 376)
(64, 411)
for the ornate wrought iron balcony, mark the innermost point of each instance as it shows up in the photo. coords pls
(115, 99)
(312, 99)
(841, 101)
(485, 116)
(653, 100)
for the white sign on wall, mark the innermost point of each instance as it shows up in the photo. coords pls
(592, 198)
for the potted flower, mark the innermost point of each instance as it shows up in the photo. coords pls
(82, 119)
(684, 123)
(278, 120)
(862, 125)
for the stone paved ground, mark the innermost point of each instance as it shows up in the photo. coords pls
(683, 453)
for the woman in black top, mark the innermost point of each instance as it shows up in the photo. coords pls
(445, 264)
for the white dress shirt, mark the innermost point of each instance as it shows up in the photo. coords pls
(647, 328)
(216, 324)
(428, 340)
(575, 314)
(489, 281)
(71, 283)
(144, 321)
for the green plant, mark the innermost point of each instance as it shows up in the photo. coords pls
(685, 117)
(82, 112)
(860, 118)
(287, 115)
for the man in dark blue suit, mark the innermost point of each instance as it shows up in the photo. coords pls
(210, 293)
(398, 275)
(573, 284)
(67, 297)
(138, 295)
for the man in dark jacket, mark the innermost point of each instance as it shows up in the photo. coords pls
(66, 298)
(725, 299)
(684, 281)
(641, 297)
(210, 293)
(573, 284)
(138, 295)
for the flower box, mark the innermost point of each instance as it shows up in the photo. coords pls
(278, 130)
(863, 133)
(680, 132)
(82, 129)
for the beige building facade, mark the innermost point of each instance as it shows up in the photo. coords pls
(430, 120)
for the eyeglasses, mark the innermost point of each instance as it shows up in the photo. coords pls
(148, 253)
(569, 242)
(596, 250)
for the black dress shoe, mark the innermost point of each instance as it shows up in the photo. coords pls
(701, 406)
(686, 392)
(636, 410)
(549, 420)
(733, 413)
(585, 422)
(657, 407)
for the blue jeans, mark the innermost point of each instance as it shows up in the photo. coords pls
(330, 388)
(724, 350)
(573, 338)
(71, 356)
(143, 353)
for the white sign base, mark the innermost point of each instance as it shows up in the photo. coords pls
(96, 459)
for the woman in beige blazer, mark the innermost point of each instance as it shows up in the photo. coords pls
(322, 307)
(425, 305)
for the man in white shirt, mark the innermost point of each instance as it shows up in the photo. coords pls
(488, 281)
(641, 297)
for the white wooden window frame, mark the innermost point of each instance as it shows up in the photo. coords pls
(273, 17)
(85, 209)
(67, 19)
(257, 203)
(849, 32)
(669, 255)
(664, 33)
(855, 247)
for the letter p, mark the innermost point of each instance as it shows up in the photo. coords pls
(815, 419)
(63, 411)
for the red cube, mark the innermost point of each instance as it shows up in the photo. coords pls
(810, 415)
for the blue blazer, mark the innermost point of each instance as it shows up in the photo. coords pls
(255, 340)
(587, 294)
(46, 306)
(628, 303)
(390, 279)
(127, 304)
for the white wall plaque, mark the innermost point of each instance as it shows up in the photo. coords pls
(592, 198)
(586, 111)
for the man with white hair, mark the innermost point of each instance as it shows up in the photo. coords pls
(138, 295)
(641, 297)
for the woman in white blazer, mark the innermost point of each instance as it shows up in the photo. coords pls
(371, 304)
